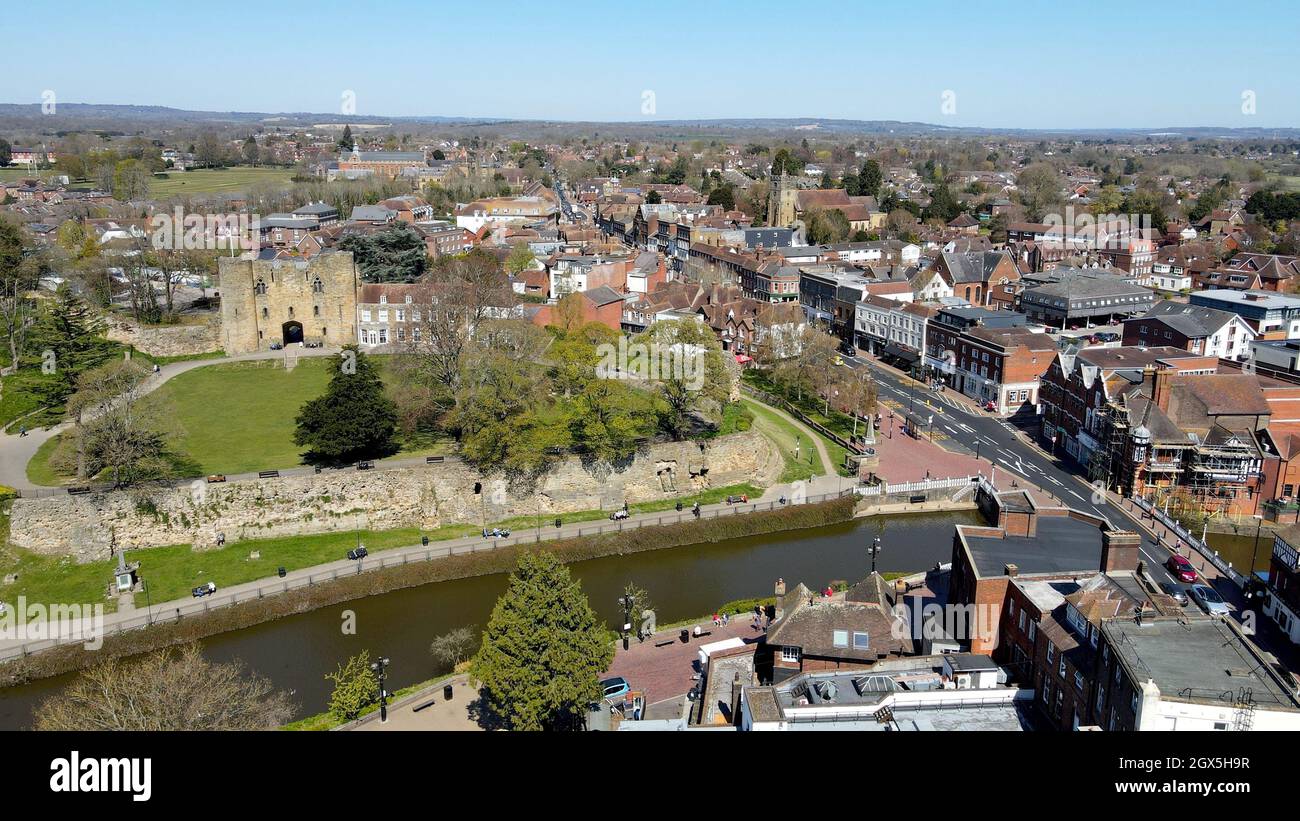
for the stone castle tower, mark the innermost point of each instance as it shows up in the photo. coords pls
(781, 200)
(286, 301)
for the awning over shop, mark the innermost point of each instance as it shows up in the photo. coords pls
(898, 352)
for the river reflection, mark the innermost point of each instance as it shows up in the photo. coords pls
(684, 582)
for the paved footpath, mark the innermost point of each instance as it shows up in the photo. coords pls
(663, 667)
(177, 609)
(16, 450)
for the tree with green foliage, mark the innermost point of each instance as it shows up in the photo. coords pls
(825, 226)
(521, 259)
(396, 254)
(870, 178)
(943, 205)
(131, 180)
(354, 419)
(725, 196)
(355, 687)
(543, 651)
(65, 341)
(653, 198)
(347, 141)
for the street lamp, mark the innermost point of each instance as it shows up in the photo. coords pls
(380, 668)
(1259, 523)
(626, 602)
(874, 551)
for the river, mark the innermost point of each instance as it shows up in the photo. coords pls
(296, 652)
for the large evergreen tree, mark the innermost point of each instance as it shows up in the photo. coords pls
(64, 343)
(543, 650)
(397, 254)
(354, 419)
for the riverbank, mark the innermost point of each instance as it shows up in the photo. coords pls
(501, 559)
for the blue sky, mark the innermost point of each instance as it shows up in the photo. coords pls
(1008, 64)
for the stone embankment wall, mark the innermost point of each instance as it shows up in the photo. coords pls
(169, 340)
(85, 527)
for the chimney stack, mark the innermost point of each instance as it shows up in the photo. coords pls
(1160, 387)
(1119, 550)
(1011, 570)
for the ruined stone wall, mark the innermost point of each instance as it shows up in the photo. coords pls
(169, 340)
(429, 496)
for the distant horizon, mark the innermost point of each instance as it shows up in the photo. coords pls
(333, 118)
(1000, 65)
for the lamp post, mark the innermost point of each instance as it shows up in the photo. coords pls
(874, 551)
(380, 667)
(626, 602)
(148, 604)
(1259, 524)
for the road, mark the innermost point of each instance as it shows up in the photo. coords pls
(995, 439)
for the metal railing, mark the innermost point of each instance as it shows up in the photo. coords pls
(171, 612)
(1208, 553)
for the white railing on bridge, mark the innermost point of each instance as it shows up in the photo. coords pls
(920, 486)
(1210, 554)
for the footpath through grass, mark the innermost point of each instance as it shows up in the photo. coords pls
(173, 571)
(233, 417)
(786, 436)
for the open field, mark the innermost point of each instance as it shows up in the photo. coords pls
(215, 181)
(180, 183)
(233, 418)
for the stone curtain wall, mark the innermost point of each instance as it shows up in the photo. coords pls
(169, 340)
(430, 496)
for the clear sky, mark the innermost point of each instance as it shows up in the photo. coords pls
(1026, 64)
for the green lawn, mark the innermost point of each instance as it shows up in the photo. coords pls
(785, 435)
(234, 417)
(215, 181)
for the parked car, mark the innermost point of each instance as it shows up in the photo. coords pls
(1107, 336)
(847, 349)
(204, 590)
(736, 500)
(1181, 568)
(358, 553)
(614, 687)
(216, 477)
(275, 346)
(1175, 591)
(1209, 600)
(839, 360)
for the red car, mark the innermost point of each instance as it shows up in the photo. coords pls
(1181, 568)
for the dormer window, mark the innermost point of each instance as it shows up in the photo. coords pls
(383, 299)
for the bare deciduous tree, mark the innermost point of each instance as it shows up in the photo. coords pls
(173, 689)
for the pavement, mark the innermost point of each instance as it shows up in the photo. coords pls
(16, 450)
(428, 709)
(663, 667)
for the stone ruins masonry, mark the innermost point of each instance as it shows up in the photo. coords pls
(169, 340)
(427, 497)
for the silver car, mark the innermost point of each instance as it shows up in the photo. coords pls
(1209, 600)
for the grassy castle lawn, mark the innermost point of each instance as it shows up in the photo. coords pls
(232, 418)
(173, 571)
